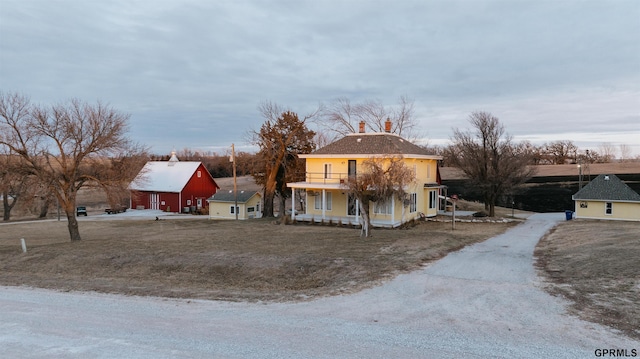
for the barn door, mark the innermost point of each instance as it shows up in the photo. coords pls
(155, 201)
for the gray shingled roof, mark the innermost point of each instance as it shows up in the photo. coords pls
(228, 196)
(607, 188)
(371, 144)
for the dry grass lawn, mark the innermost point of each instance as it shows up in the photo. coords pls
(241, 261)
(596, 265)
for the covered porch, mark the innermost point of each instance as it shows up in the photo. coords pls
(331, 203)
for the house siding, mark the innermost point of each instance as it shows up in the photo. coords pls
(201, 188)
(171, 202)
(221, 210)
(627, 211)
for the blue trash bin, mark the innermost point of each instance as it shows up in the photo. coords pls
(568, 215)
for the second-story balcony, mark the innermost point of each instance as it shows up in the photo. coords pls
(328, 178)
(324, 180)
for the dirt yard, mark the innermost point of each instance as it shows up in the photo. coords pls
(241, 261)
(596, 265)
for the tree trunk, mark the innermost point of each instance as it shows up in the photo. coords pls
(72, 223)
(44, 209)
(270, 191)
(492, 205)
(282, 206)
(69, 207)
(366, 220)
(268, 203)
(6, 206)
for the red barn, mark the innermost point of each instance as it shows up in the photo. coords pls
(172, 186)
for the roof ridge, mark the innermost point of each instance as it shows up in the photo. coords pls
(376, 143)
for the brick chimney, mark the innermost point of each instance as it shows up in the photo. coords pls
(361, 127)
(387, 125)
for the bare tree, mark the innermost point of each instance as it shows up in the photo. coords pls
(559, 152)
(321, 139)
(341, 117)
(607, 152)
(489, 159)
(625, 153)
(13, 183)
(381, 179)
(65, 146)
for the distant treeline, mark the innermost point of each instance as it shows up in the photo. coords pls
(219, 165)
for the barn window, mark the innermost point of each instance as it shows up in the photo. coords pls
(199, 174)
(608, 209)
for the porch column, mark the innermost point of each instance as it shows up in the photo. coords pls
(357, 211)
(293, 204)
(393, 208)
(324, 203)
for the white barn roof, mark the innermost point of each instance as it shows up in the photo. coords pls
(164, 176)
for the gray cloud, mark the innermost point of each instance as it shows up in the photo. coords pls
(192, 73)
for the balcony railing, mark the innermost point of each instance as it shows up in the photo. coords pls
(328, 178)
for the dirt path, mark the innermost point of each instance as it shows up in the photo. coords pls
(482, 301)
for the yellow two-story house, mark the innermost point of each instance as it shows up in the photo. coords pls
(330, 167)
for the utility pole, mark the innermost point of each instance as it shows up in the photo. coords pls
(579, 175)
(235, 183)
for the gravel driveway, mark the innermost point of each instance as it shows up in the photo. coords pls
(483, 301)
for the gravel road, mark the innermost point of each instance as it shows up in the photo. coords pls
(484, 301)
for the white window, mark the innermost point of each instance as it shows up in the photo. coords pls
(318, 201)
(327, 170)
(232, 211)
(608, 208)
(414, 203)
(251, 209)
(199, 174)
(433, 195)
(382, 207)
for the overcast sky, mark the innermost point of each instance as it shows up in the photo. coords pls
(192, 73)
